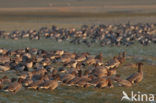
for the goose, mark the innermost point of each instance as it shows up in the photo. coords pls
(136, 77)
(83, 80)
(102, 83)
(50, 84)
(68, 77)
(5, 80)
(100, 71)
(105, 81)
(90, 60)
(4, 68)
(122, 82)
(122, 57)
(99, 57)
(14, 87)
(112, 63)
(36, 84)
(112, 71)
(27, 82)
(1, 84)
(76, 79)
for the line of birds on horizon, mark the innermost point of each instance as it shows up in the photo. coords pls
(36, 70)
(103, 35)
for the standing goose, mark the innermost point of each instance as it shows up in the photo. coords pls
(15, 86)
(136, 77)
(122, 57)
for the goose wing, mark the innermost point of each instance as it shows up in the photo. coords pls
(133, 77)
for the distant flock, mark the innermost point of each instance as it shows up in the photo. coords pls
(103, 35)
(40, 69)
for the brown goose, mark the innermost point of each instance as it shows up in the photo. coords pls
(112, 71)
(76, 79)
(99, 57)
(122, 57)
(68, 77)
(36, 84)
(53, 74)
(84, 80)
(136, 77)
(4, 68)
(100, 71)
(102, 83)
(50, 84)
(14, 87)
(90, 60)
(27, 81)
(1, 85)
(105, 82)
(122, 82)
(23, 75)
(112, 63)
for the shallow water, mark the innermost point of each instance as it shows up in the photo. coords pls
(65, 94)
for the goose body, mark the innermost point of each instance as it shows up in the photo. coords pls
(4, 68)
(136, 77)
(102, 83)
(123, 82)
(112, 63)
(35, 84)
(51, 84)
(1, 85)
(14, 87)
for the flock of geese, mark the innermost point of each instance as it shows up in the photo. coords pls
(113, 35)
(39, 69)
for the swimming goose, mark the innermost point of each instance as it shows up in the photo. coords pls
(136, 77)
